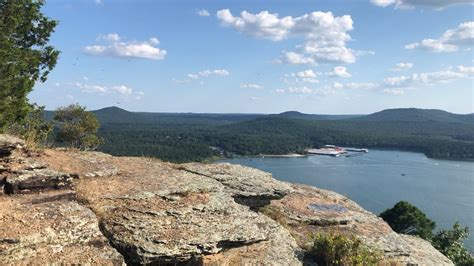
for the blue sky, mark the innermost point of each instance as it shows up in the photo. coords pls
(338, 57)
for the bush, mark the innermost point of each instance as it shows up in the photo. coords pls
(406, 218)
(77, 127)
(450, 243)
(34, 129)
(337, 249)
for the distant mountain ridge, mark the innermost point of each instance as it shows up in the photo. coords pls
(117, 115)
(417, 115)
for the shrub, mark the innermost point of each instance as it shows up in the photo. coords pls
(34, 129)
(406, 218)
(77, 127)
(450, 243)
(337, 249)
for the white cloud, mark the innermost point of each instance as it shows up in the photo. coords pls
(207, 73)
(307, 80)
(111, 37)
(203, 13)
(361, 85)
(98, 2)
(450, 40)
(402, 66)
(469, 70)
(337, 85)
(383, 3)
(121, 90)
(341, 72)
(325, 36)
(435, 4)
(139, 95)
(204, 74)
(296, 59)
(250, 86)
(394, 91)
(69, 97)
(90, 88)
(420, 79)
(299, 90)
(115, 47)
(305, 74)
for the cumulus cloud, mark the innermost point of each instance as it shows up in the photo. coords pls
(394, 91)
(325, 35)
(207, 73)
(203, 13)
(296, 59)
(402, 66)
(306, 76)
(361, 85)
(468, 70)
(121, 90)
(435, 4)
(450, 40)
(420, 79)
(340, 72)
(113, 46)
(299, 90)
(110, 37)
(250, 86)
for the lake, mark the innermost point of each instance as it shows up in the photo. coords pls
(443, 189)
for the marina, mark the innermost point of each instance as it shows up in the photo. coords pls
(335, 151)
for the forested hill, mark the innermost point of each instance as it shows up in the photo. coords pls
(417, 115)
(182, 137)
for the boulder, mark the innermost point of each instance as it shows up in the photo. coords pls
(9, 143)
(165, 215)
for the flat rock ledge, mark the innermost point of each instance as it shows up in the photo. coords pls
(71, 207)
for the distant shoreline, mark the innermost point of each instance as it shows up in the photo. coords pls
(289, 155)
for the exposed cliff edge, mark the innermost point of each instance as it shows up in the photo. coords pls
(88, 207)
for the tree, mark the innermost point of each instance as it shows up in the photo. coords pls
(450, 243)
(77, 127)
(25, 56)
(406, 218)
(34, 129)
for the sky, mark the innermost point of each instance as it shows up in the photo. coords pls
(260, 56)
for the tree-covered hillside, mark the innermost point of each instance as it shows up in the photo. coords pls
(196, 137)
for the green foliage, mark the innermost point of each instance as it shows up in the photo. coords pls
(337, 249)
(406, 218)
(34, 129)
(25, 56)
(450, 243)
(77, 127)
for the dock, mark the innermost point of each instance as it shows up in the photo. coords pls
(332, 150)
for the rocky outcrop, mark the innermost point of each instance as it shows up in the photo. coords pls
(93, 208)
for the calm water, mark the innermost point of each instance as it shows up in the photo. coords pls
(444, 190)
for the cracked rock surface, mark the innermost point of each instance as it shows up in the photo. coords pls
(93, 208)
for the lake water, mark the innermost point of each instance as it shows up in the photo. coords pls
(444, 190)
